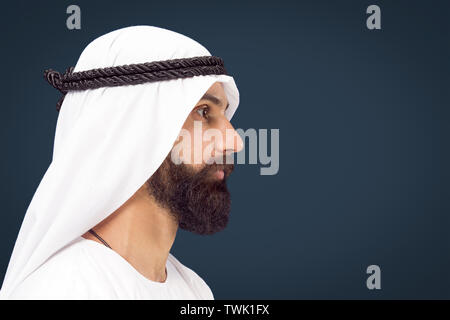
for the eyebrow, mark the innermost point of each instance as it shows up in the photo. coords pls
(213, 99)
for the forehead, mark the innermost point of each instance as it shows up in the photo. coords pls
(218, 91)
(216, 95)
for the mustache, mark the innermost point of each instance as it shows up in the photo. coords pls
(218, 164)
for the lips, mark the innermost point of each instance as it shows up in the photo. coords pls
(219, 174)
(220, 171)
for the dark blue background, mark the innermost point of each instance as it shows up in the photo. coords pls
(364, 138)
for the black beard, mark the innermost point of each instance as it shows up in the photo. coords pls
(199, 202)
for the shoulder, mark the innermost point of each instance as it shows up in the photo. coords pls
(193, 278)
(68, 274)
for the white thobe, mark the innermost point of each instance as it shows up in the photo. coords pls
(86, 269)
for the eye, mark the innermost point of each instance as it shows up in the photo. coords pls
(203, 112)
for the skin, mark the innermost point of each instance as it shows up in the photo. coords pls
(143, 232)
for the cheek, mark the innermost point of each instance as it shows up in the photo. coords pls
(197, 167)
(189, 147)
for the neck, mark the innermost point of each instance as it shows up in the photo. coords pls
(141, 232)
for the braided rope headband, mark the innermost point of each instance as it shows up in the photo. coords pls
(131, 74)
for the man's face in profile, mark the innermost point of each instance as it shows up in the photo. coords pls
(191, 182)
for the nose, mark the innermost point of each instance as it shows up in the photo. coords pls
(231, 142)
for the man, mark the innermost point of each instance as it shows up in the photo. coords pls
(126, 174)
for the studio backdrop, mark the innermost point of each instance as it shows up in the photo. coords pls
(343, 189)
